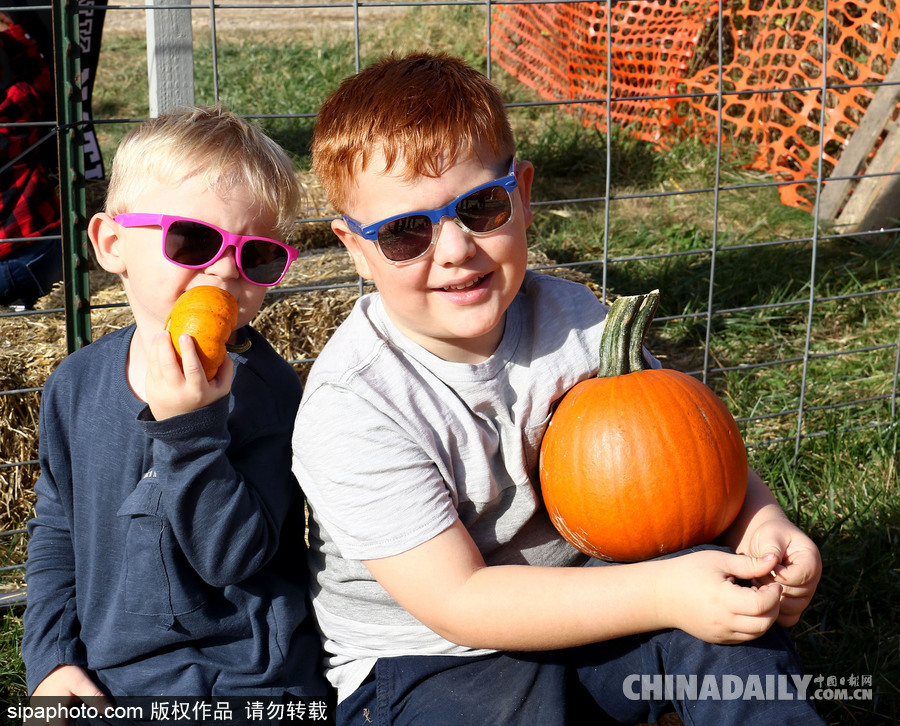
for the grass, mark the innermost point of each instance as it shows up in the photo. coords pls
(12, 670)
(840, 482)
(843, 490)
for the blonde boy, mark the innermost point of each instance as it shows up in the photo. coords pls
(443, 592)
(165, 557)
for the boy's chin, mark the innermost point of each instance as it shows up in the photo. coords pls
(470, 344)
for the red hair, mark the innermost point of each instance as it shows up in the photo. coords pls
(423, 110)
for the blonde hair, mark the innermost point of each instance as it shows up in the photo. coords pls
(423, 110)
(212, 142)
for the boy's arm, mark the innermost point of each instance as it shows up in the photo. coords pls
(225, 504)
(445, 584)
(224, 477)
(52, 629)
(763, 528)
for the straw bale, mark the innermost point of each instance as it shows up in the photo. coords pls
(300, 323)
(31, 346)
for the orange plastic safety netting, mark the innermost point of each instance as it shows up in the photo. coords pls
(658, 63)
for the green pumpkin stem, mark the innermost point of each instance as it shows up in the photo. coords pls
(622, 342)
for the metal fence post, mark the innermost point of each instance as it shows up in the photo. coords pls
(71, 172)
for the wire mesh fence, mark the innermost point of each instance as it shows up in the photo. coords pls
(638, 79)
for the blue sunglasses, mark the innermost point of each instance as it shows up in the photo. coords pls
(407, 237)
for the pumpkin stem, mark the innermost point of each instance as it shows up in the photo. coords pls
(622, 341)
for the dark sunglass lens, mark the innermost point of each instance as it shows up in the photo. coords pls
(405, 238)
(192, 243)
(485, 210)
(263, 262)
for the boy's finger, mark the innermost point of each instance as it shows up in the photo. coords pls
(750, 628)
(162, 354)
(190, 360)
(745, 567)
(755, 602)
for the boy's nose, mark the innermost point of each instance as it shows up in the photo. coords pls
(454, 244)
(225, 267)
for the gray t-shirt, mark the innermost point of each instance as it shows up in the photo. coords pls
(392, 444)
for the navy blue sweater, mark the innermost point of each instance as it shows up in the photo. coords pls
(168, 557)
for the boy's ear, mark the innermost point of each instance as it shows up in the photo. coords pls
(104, 235)
(524, 179)
(352, 243)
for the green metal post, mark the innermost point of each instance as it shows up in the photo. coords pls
(71, 173)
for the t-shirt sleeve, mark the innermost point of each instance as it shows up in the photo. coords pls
(368, 478)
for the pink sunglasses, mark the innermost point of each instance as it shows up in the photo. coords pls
(194, 244)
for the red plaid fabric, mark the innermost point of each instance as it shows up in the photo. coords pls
(30, 205)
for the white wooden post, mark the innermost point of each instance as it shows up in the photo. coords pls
(170, 56)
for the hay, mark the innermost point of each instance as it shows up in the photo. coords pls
(32, 346)
(299, 324)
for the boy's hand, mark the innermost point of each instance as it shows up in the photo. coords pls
(68, 685)
(173, 389)
(798, 565)
(699, 595)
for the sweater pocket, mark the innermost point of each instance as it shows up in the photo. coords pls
(158, 578)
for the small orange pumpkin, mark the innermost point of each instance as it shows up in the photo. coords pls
(640, 462)
(208, 314)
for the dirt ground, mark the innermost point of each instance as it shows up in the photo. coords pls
(265, 15)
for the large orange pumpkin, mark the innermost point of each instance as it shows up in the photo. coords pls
(208, 314)
(640, 462)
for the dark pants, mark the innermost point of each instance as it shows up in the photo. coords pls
(628, 680)
(30, 272)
